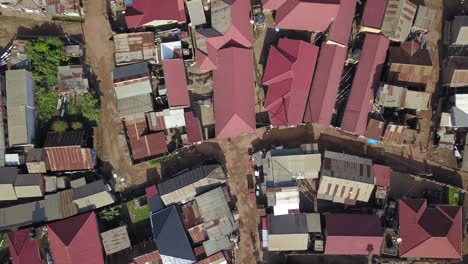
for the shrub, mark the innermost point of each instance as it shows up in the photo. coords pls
(59, 126)
(77, 125)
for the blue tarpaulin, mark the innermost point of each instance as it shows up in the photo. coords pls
(372, 141)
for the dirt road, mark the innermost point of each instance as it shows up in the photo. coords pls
(100, 51)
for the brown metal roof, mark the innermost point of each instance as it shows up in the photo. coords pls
(375, 129)
(72, 158)
(133, 47)
(395, 134)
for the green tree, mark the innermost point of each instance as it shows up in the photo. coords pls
(46, 103)
(46, 55)
(110, 214)
(77, 125)
(59, 126)
(89, 107)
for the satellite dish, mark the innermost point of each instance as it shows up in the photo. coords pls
(399, 240)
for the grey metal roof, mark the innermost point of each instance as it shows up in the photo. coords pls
(155, 203)
(282, 167)
(313, 223)
(225, 227)
(64, 139)
(169, 234)
(212, 205)
(50, 184)
(8, 175)
(131, 70)
(459, 118)
(134, 105)
(287, 224)
(35, 155)
(217, 244)
(19, 84)
(28, 179)
(89, 189)
(78, 182)
(345, 166)
(188, 177)
(196, 12)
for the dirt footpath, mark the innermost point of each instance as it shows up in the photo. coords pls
(100, 55)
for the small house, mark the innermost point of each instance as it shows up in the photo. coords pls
(35, 161)
(21, 114)
(353, 234)
(29, 185)
(22, 248)
(170, 237)
(398, 19)
(7, 181)
(150, 13)
(75, 239)
(92, 196)
(115, 240)
(430, 232)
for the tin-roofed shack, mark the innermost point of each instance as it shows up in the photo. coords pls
(29, 185)
(410, 65)
(185, 185)
(35, 161)
(398, 19)
(346, 178)
(134, 47)
(455, 72)
(7, 180)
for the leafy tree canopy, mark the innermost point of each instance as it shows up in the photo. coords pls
(46, 103)
(89, 107)
(46, 55)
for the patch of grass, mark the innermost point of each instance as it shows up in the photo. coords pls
(453, 196)
(137, 214)
(161, 159)
(3, 241)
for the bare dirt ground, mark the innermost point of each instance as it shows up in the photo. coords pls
(100, 50)
(34, 26)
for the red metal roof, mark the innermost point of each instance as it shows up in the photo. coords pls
(325, 84)
(374, 12)
(204, 63)
(288, 74)
(151, 191)
(76, 239)
(239, 33)
(341, 27)
(240, 30)
(22, 249)
(194, 132)
(309, 15)
(234, 93)
(367, 75)
(141, 12)
(272, 4)
(353, 234)
(145, 145)
(382, 175)
(176, 83)
(72, 158)
(430, 232)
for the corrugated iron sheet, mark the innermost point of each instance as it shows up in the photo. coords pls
(395, 134)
